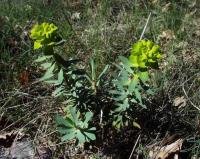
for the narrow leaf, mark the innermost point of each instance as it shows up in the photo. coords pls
(91, 136)
(74, 115)
(58, 91)
(92, 129)
(48, 74)
(80, 136)
(60, 76)
(132, 85)
(126, 64)
(41, 58)
(65, 130)
(103, 72)
(66, 122)
(93, 69)
(46, 65)
(68, 137)
(88, 117)
(138, 95)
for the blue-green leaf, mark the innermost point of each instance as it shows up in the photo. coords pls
(126, 64)
(68, 137)
(58, 91)
(88, 117)
(132, 86)
(80, 136)
(103, 72)
(49, 73)
(92, 129)
(91, 136)
(66, 122)
(46, 65)
(60, 76)
(64, 130)
(74, 115)
(93, 69)
(41, 58)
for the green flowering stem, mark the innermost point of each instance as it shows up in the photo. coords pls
(145, 54)
(45, 36)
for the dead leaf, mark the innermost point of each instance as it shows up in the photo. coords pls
(167, 35)
(180, 102)
(24, 77)
(163, 152)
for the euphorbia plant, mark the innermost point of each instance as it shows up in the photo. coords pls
(86, 91)
(70, 81)
(133, 80)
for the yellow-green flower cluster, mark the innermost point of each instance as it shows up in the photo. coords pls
(145, 54)
(43, 34)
